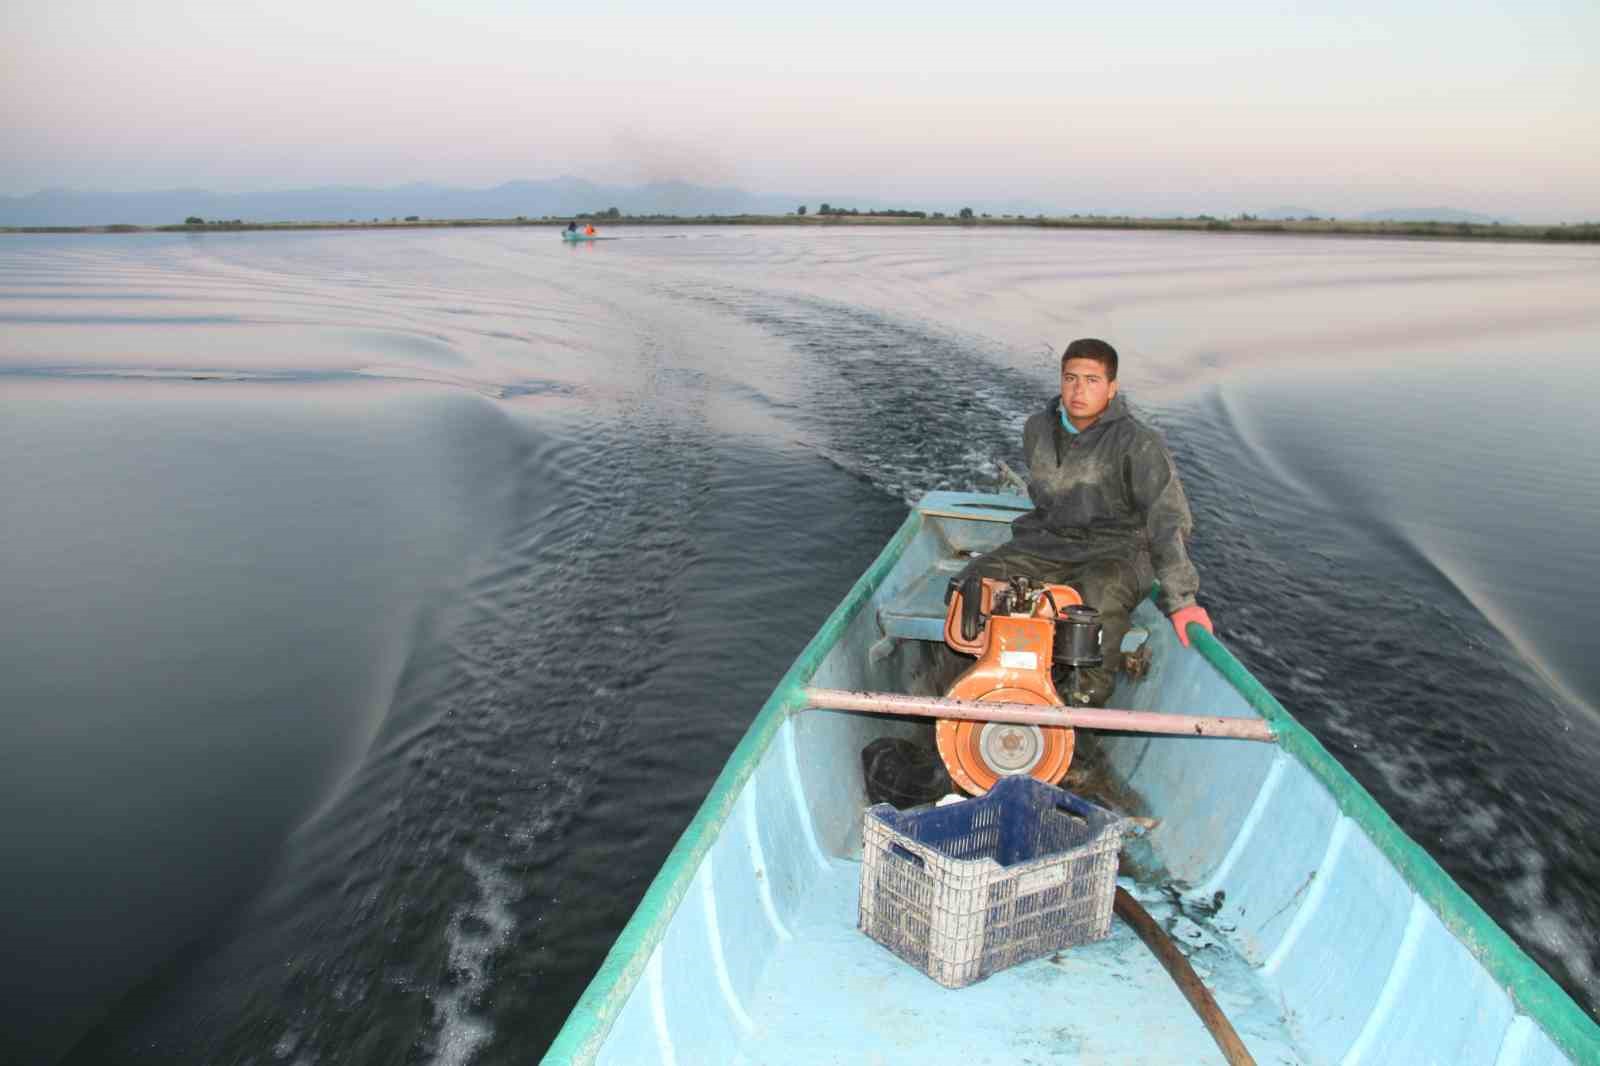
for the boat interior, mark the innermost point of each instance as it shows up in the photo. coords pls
(1312, 943)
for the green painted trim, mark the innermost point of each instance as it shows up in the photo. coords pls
(1534, 992)
(584, 1033)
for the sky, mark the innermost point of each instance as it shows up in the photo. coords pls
(1149, 107)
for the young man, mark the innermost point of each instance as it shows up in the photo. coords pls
(1107, 509)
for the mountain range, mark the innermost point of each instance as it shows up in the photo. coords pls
(339, 203)
(1393, 214)
(557, 197)
(1429, 214)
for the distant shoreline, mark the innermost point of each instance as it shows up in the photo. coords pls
(1583, 232)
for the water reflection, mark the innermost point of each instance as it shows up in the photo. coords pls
(302, 664)
(210, 593)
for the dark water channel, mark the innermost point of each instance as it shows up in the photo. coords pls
(378, 607)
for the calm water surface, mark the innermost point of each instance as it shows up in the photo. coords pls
(379, 606)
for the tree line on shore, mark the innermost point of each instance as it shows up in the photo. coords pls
(829, 214)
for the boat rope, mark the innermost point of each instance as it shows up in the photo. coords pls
(1009, 476)
(1188, 982)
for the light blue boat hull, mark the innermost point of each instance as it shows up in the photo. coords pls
(1337, 939)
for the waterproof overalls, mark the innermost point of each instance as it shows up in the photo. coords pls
(1108, 515)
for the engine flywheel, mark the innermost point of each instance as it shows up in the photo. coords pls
(978, 754)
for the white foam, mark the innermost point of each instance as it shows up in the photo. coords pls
(1557, 924)
(461, 1033)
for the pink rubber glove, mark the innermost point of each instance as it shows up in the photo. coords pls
(1184, 615)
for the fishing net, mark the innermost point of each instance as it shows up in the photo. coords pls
(903, 773)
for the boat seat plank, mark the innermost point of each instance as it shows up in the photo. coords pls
(918, 612)
(832, 995)
(975, 506)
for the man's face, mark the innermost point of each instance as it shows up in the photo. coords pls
(1085, 392)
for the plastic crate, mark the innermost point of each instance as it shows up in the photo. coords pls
(966, 890)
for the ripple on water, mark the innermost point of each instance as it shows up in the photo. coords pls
(723, 430)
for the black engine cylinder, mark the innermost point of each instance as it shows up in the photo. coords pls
(1078, 633)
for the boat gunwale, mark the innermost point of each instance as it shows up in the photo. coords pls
(1533, 992)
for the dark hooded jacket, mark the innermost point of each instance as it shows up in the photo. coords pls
(1109, 492)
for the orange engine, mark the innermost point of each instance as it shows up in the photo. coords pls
(1012, 632)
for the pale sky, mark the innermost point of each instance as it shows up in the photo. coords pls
(1226, 106)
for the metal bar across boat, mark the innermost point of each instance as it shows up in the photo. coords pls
(1233, 728)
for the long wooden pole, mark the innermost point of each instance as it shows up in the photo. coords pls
(1188, 982)
(894, 703)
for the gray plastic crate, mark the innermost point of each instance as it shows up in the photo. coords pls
(966, 890)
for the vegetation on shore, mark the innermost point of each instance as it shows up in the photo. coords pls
(828, 215)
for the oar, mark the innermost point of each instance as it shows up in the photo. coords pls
(1189, 725)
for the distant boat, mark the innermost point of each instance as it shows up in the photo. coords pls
(1328, 935)
(578, 235)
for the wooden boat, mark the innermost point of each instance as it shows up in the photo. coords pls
(1326, 934)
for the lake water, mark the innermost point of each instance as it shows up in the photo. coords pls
(379, 606)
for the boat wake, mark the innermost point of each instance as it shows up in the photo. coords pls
(475, 933)
(905, 407)
(1321, 593)
(1381, 644)
(696, 447)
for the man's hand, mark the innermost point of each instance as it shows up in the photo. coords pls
(1184, 615)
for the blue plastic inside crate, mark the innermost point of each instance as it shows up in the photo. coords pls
(966, 890)
(1018, 804)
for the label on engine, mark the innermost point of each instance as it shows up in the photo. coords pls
(1019, 660)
